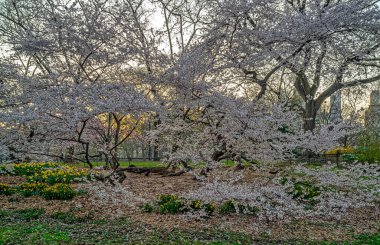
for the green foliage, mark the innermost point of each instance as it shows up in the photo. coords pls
(32, 234)
(29, 169)
(30, 226)
(6, 189)
(228, 207)
(147, 208)
(30, 189)
(3, 169)
(64, 174)
(369, 151)
(370, 154)
(59, 192)
(170, 204)
(173, 204)
(209, 208)
(350, 157)
(305, 190)
(69, 217)
(51, 231)
(22, 214)
(247, 209)
(196, 204)
(283, 181)
(49, 180)
(368, 239)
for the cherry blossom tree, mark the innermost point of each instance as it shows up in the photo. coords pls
(323, 46)
(81, 77)
(75, 63)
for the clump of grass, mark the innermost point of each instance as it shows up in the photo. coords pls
(22, 214)
(69, 217)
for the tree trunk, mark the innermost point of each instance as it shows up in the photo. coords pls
(311, 109)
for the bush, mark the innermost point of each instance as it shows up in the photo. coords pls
(369, 150)
(370, 154)
(59, 192)
(6, 189)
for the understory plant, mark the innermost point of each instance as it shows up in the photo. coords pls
(173, 204)
(50, 180)
(59, 192)
(6, 189)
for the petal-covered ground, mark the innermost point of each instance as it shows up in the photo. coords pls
(345, 201)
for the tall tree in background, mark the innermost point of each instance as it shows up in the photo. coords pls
(323, 46)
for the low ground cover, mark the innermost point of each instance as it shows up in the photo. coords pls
(34, 226)
(50, 180)
(279, 203)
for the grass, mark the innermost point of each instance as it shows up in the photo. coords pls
(33, 226)
(66, 228)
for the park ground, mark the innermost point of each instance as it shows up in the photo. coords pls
(113, 220)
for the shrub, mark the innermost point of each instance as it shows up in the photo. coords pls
(370, 154)
(6, 189)
(59, 192)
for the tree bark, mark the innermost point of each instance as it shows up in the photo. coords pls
(310, 114)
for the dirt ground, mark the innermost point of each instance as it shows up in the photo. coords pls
(359, 221)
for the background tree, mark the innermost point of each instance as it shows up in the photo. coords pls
(323, 46)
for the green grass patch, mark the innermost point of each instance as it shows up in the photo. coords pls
(32, 233)
(22, 214)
